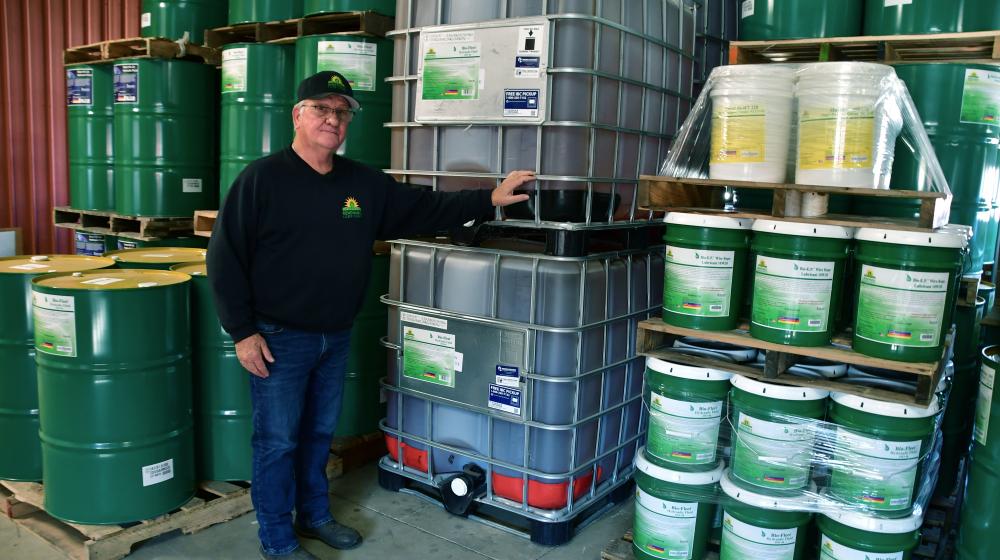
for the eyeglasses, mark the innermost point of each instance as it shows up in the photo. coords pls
(325, 112)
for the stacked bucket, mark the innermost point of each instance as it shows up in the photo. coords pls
(514, 385)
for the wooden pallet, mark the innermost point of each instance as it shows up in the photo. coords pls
(140, 47)
(357, 451)
(213, 503)
(143, 228)
(981, 46)
(655, 338)
(204, 221)
(287, 31)
(676, 194)
(621, 549)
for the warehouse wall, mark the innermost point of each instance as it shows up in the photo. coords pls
(33, 167)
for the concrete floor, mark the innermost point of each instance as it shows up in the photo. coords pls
(395, 525)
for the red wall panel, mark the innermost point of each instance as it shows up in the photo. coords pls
(33, 166)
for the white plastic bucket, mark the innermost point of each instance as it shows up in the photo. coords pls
(848, 122)
(752, 109)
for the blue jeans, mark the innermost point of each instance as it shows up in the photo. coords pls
(295, 411)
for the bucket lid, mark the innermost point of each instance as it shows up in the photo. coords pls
(707, 220)
(112, 279)
(782, 392)
(754, 71)
(857, 520)
(161, 255)
(46, 264)
(192, 269)
(781, 503)
(817, 74)
(883, 408)
(946, 237)
(677, 477)
(804, 230)
(687, 372)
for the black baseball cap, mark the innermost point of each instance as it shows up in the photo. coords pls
(324, 84)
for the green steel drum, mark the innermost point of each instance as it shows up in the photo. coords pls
(958, 104)
(799, 19)
(173, 18)
(132, 243)
(909, 17)
(22, 456)
(992, 236)
(93, 244)
(313, 7)
(366, 62)
(362, 406)
(90, 137)
(967, 329)
(113, 352)
(258, 91)
(157, 258)
(222, 410)
(165, 135)
(253, 11)
(978, 537)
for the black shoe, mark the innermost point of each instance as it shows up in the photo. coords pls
(332, 534)
(297, 554)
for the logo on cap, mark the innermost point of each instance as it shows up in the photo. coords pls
(336, 82)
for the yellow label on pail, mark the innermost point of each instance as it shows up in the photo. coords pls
(738, 133)
(836, 138)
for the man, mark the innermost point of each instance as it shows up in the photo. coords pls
(289, 261)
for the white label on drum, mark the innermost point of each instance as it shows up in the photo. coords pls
(157, 472)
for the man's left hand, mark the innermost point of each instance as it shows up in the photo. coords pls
(504, 194)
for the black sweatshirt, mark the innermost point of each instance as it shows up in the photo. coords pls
(293, 247)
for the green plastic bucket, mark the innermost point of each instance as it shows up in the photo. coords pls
(906, 284)
(848, 534)
(794, 19)
(798, 276)
(772, 434)
(686, 406)
(706, 259)
(673, 510)
(760, 527)
(879, 448)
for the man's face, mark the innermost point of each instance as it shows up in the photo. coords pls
(317, 124)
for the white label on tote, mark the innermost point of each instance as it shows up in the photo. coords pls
(424, 320)
(147, 19)
(746, 10)
(830, 550)
(191, 185)
(157, 472)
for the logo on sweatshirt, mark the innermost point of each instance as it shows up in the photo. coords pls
(351, 208)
